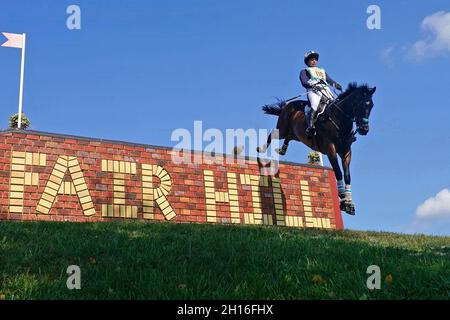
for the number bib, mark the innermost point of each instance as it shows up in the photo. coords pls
(317, 73)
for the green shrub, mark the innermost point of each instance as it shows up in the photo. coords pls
(314, 157)
(14, 121)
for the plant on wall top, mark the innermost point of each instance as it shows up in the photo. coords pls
(14, 121)
(313, 157)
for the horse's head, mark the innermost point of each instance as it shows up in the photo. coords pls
(357, 103)
(363, 109)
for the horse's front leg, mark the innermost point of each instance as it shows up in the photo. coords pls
(332, 157)
(346, 159)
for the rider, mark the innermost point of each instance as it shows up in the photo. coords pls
(316, 81)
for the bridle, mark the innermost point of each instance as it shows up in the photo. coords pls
(337, 104)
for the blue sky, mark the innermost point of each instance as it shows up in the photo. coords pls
(137, 70)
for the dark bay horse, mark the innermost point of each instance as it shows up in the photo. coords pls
(334, 129)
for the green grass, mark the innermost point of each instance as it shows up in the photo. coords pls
(124, 260)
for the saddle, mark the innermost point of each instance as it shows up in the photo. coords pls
(323, 115)
(323, 111)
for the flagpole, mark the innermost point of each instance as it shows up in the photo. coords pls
(22, 67)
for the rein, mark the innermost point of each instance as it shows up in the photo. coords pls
(336, 104)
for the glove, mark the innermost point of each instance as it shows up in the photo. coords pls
(338, 86)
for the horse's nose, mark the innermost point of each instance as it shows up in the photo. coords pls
(363, 130)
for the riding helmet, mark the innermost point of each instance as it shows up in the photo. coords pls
(311, 54)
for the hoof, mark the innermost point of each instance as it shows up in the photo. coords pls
(261, 149)
(351, 211)
(348, 207)
(281, 152)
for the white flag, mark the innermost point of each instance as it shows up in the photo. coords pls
(14, 40)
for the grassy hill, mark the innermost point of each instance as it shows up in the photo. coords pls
(135, 260)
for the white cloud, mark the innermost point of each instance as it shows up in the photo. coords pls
(434, 207)
(387, 57)
(437, 36)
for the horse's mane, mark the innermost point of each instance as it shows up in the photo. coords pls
(352, 87)
(275, 109)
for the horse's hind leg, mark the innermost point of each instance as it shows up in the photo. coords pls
(284, 147)
(269, 141)
(280, 132)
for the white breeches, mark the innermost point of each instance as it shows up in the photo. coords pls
(314, 96)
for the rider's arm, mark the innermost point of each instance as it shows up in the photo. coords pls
(305, 79)
(330, 81)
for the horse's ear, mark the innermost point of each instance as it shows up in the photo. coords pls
(372, 91)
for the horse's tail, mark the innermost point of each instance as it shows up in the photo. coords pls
(274, 109)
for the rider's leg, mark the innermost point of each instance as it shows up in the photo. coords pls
(314, 100)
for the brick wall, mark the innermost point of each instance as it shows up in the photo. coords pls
(46, 176)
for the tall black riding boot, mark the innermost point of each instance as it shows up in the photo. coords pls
(311, 130)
